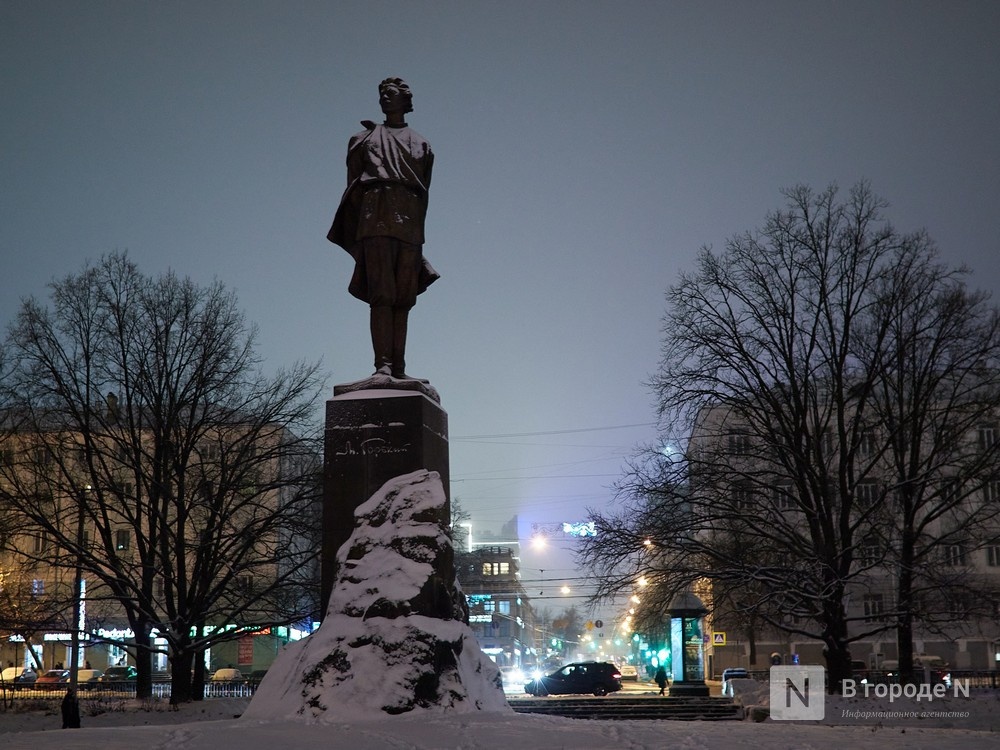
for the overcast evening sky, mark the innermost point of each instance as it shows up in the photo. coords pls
(584, 151)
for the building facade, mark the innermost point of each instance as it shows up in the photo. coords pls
(951, 514)
(500, 613)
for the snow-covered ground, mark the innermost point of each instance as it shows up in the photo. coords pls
(210, 725)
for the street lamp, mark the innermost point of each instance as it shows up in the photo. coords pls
(78, 614)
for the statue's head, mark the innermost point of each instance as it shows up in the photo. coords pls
(394, 93)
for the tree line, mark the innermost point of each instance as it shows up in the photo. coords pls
(143, 445)
(831, 391)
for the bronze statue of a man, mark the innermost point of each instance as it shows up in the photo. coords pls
(380, 222)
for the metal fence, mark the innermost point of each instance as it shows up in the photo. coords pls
(99, 690)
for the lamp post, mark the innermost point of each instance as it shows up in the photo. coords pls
(687, 645)
(77, 626)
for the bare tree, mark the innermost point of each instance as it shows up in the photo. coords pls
(154, 454)
(935, 411)
(773, 375)
(567, 625)
(459, 527)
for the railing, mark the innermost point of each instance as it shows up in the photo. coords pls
(97, 690)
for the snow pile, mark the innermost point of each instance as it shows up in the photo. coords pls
(395, 637)
(753, 695)
(981, 710)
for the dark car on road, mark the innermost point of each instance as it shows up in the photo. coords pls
(597, 677)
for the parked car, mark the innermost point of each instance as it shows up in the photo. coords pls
(629, 672)
(53, 677)
(26, 678)
(228, 674)
(13, 678)
(599, 678)
(732, 673)
(8, 675)
(88, 678)
(934, 667)
(119, 674)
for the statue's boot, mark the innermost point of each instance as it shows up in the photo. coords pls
(382, 338)
(399, 320)
(400, 317)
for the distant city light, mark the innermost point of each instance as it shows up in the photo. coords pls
(584, 528)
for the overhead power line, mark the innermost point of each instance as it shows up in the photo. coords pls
(551, 432)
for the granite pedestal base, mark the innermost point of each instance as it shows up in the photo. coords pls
(372, 436)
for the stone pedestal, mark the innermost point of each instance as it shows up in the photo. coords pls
(373, 435)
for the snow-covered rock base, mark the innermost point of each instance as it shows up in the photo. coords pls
(395, 638)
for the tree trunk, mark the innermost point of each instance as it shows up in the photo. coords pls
(838, 653)
(198, 676)
(904, 603)
(181, 659)
(143, 662)
(838, 664)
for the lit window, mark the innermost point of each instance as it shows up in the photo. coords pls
(121, 539)
(496, 568)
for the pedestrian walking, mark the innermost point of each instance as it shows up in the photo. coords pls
(661, 679)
